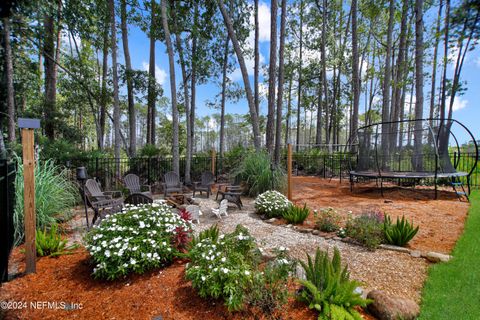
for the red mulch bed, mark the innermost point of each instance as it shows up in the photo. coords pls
(441, 221)
(161, 292)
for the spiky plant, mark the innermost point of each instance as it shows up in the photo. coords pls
(296, 215)
(328, 288)
(400, 233)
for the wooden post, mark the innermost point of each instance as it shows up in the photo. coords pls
(29, 198)
(214, 158)
(289, 172)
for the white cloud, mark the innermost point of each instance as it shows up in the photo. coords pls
(263, 22)
(160, 74)
(458, 103)
(477, 61)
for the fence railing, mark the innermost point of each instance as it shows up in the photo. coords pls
(7, 205)
(151, 170)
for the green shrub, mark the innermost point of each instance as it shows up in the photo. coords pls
(296, 215)
(367, 229)
(228, 268)
(135, 240)
(211, 233)
(255, 171)
(268, 290)
(328, 220)
(328, 288)
(400, 233)
(272, 204)
(50, 243)
(54, 194)
(222, 269)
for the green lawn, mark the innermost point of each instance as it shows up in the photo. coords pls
(452, 290)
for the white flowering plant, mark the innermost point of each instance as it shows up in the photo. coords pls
(228, 267)
(136, 239)
(272, 203)
(222, 267)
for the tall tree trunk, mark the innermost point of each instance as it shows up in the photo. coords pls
(299, 95)
(434, 63)
(257, 60)
(281, 80)
(224, 97)
(386, 84)
(9, 78)
(445, 64)
(128, 69)
(399, 77)
(355, 76)
(116, 101)
(50, 80)
(193, 77)
(173, 88)
(318, 135)
(104, 95)
(323, 57)
(241, 61)
(151, 94)
(419, 48)
(289, 111)
(272, 72)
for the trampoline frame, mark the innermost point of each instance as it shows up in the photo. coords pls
(380, 175)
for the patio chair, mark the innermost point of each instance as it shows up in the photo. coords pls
(171, 183)
(194, 212)
(132, 183)
(207, 180)
(101, 202)
(231, 192)
(138, 198)
(222, 209)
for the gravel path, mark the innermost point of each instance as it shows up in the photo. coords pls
(394, 272)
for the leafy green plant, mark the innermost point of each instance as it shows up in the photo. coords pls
(328, 288)
(400, 233)
(255, 171)
(296, 215)
(272, 204)
(268, 290)
(328, 220)
(50, 243)
(211, 233)
(54, 194)
(135, 240)
(367, 229)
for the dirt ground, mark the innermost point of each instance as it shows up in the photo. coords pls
(441, 221)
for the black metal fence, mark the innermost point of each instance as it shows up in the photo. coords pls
(7, 205)
(151, 170)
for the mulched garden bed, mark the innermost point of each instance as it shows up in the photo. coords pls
(157, 294)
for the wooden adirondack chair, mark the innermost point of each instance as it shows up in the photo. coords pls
(207, 180)
(102, 202)
(222, 209)
(231, 192)
(132, 183)
(171, 183)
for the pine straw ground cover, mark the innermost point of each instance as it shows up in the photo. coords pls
(160, 292)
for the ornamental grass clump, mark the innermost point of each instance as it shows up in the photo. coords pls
(296, 215)
(272, 204)
(400, 233)
(255, 170)
(55, 194)
(137, 239)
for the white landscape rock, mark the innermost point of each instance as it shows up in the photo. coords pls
(437, 257)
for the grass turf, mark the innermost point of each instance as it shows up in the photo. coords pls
(452, 290)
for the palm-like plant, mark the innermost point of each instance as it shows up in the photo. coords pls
(400, 233)
(328, 288)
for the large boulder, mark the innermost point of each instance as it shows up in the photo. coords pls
(386, 307)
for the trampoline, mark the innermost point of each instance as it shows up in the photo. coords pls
(411, 150)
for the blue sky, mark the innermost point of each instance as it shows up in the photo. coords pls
(466, 109)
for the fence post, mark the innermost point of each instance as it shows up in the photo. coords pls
(213, 161)
(29, 198)
(289, 171)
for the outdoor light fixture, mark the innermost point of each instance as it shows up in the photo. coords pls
(272, 169)
(82, 177)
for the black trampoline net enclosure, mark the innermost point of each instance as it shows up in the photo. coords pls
(420, 148)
